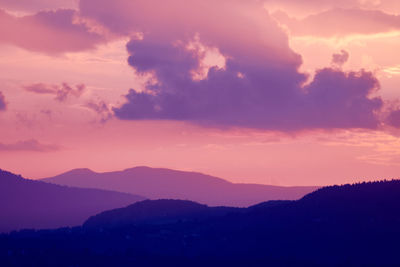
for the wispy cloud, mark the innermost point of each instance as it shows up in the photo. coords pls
(101, 108)
(61, 92)
(341, 22)
(29, 145)
(50, 32)
(3, 103)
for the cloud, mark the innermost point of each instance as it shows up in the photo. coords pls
(29, 145)
(61, 92)
(333, 100)
(47, 112)
(339, 22)
(259, 86)
(66, 90)
(394, 118)
(41, 88)
(102, 109)
(341, 58)
(3, 103)
(306, 7)
(37, 5)
(50, 32)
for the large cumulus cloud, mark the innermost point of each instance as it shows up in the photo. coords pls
(260, 85)
(333, 100)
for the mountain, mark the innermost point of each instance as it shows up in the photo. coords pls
(34, 204)
(161, 211)
(171, 184)
(350, 225)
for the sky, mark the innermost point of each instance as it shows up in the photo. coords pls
(282, 92)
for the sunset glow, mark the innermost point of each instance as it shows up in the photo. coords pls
(280, 92)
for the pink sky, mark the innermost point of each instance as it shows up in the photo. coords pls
(245, 90)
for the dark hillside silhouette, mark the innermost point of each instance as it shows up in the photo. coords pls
(33, 204)
(171, 184)
(156, 212)
(350, 225)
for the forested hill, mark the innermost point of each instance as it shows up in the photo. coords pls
(349, 225)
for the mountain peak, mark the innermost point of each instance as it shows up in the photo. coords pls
(80, 171)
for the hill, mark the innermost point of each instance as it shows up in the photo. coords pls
(34, 204)
(163, 211)
(171, 184)
(350, 225)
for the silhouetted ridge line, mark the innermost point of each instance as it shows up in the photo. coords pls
(35, 204)
(171, 184)
(362, 189)
(6, 174)
(164, 211)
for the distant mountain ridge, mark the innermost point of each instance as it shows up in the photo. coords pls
(171, 184)
(35, 204)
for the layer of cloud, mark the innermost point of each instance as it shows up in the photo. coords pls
(341, 22)
(51, 32)
(306, 7)
(61, 92)
(29, 145)
(37, 5)
(3, 103)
